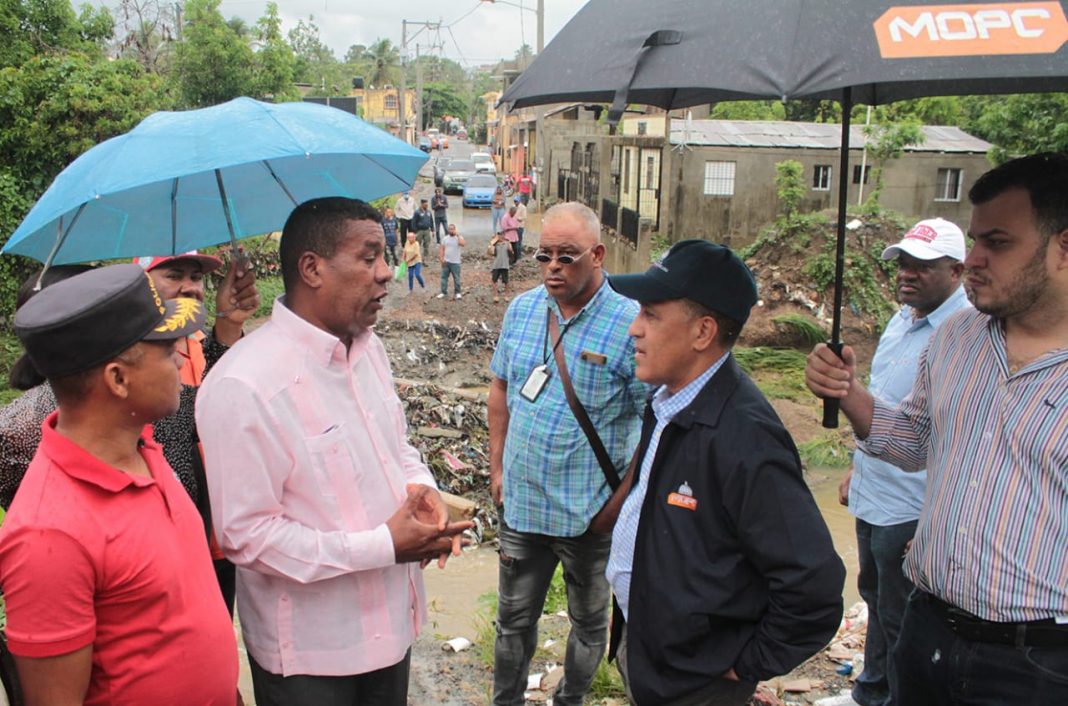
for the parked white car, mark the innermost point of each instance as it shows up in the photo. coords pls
(483, 162)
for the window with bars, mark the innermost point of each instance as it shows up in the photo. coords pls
(948, 187)
(856, 173)
(719, 178)
(390, 101)
(821, 177)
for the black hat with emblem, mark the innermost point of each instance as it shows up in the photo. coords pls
(704, 272)
(89, 319)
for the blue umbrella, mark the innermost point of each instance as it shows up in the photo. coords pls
(186, 180)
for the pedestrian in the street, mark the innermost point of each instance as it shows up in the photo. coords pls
(723, 569)
(544, 471)
(521, 218)
(987, 417)
(439, 205)
(526, 186)
(886, 500)
(423, 225)
(108, 583)
(501, 252)
(389, 227)
(497, 209)
(405, 212)
(510, 231)
(327, 510)
(413, 257)
(449, 252)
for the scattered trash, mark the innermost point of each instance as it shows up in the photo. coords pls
(844, 669)
(456, 644)
(534, 682)
(548, 644)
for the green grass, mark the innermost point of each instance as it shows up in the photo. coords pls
(807, 330)
(778, 372)
(827, 451)
(10, 350)
(486, 632)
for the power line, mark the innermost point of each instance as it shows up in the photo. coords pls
(465, 15)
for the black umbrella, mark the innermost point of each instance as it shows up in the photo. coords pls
(680, 53)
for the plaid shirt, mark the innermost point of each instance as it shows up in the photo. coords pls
(553, 484)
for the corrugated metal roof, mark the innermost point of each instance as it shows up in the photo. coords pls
(775, 133)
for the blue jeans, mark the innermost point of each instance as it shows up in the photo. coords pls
(498, 213)
(441, 223)
(936, 667)
(415, 271)
(450, 268)
(527, 563)
(885, 589)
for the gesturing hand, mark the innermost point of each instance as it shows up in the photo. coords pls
(421, 529)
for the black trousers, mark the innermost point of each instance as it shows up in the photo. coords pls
(384, 687)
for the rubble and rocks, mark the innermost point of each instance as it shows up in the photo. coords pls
(449, 428)
(451, 355)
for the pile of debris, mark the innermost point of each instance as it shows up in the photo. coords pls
(432, 349)
(449, 427)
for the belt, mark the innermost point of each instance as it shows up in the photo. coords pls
(1034, 633)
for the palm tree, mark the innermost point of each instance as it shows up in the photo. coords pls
(385, 62)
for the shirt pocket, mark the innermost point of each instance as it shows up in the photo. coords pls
(330, 460)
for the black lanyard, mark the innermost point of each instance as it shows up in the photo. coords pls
(545, 344)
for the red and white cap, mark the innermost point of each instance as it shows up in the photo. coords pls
(208, 263)
(930, 240)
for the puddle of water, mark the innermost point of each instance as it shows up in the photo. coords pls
(840, 523)
(453, 594)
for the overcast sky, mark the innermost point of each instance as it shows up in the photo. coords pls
(481, 33)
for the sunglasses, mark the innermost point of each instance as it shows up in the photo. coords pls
(545, 258)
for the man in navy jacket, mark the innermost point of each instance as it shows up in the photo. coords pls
(722, 567)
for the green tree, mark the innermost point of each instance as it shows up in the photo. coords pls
(214, 64)
(355, 54)
(53, 107)
(31, 27)
(441, 99)
(315, 61)
(790, 185)
(384, 61)
(274, 61)
(748, 110)
(1020, 124)
(886, 142)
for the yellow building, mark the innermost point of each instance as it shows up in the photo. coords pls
(382, 106)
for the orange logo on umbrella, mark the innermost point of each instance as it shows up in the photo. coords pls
(909, 32)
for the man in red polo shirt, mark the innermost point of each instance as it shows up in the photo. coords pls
(111, 598)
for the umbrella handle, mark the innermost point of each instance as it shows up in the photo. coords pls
(830, 404)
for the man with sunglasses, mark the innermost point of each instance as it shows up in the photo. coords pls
(544, 474)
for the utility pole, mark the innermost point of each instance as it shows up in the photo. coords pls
(403, 93)
(539, 148)
(418, 91)
(423, 25)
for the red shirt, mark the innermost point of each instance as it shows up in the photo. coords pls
(524, 185)
(92, 555)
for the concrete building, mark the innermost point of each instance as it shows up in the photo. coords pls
(375, 105)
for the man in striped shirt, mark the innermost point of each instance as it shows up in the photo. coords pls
(988, 416)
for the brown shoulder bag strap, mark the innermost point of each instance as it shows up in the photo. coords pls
(609, 470)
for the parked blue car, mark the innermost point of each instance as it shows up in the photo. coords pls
(479, 190)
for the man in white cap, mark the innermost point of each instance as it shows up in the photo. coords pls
(885, 499)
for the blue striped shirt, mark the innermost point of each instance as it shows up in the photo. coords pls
(553, 484)
(993, 534)
(621, 560)
(880, 493)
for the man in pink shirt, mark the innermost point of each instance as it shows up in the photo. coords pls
(317, 496)
(510, 230)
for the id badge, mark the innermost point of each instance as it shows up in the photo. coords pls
(535, 383)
